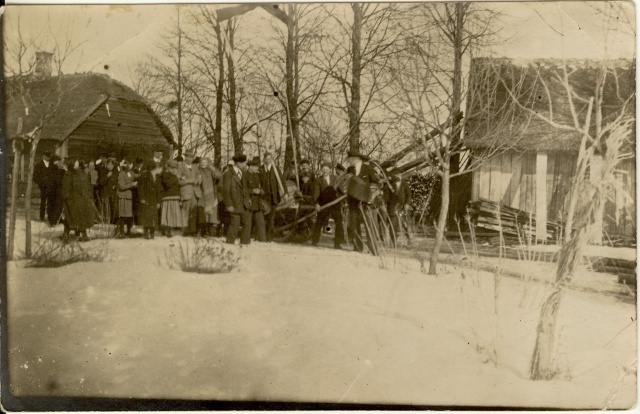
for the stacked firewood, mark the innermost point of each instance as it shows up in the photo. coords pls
(490, 215)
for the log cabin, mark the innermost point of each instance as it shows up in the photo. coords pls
(534, 167)
(84, 115)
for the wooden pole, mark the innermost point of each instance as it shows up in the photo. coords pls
(17, 156)
(27, 200)
(541, 196)
(293, 143)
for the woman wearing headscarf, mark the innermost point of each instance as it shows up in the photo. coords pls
(77, 196)
(171, 214)
(126, 182)
(208, 203)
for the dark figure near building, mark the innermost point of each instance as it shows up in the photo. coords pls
(274, 189)
(364, 176)
(223, 215)
(324, 192)
(233, 193)
(77, 194)
(252, 200)
(399, 204)
(150, 194)
(42, 175)
(59, 169)
(108, 183)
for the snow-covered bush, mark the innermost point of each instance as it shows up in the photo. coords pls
(52, 252)
(202, 256)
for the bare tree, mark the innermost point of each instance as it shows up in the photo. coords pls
(428, 73)
(19, 65)
(604, 127)
(354, 55)
(294, 70)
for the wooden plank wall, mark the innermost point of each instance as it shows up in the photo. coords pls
(508, 178)
(560, 169)
(620, 216)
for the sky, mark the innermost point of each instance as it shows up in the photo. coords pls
(115, 36)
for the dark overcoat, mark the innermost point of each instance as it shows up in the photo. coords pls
(270, 186)
(233, 190)
(77, 194)
(251, 181)
(150, 194)
(43, 175)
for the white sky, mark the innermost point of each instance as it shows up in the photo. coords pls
(117, 35)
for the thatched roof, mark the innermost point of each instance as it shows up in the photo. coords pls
(79, 101)
(537, 87)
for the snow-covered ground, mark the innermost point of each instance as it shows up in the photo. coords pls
(298, 323)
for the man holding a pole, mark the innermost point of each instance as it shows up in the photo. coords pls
(274, 190)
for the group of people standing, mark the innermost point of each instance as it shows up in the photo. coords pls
(191, 195)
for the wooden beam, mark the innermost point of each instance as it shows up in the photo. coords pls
(595, 231)
(541, 195)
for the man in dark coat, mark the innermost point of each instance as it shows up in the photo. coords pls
(253, 194)
(274, 189)
(42, 175)
(233, 193)
(324, 192)
(150, 194)
(399, 203)
(108, 183)
(57, 175)
(365, 176)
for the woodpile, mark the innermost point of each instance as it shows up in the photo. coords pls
(492, 216)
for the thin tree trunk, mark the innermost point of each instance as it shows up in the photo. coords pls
(356, 70)
(179, 89)
(292, 97)
(233, 109)
(442, 221)
(543, 361)
(217, 131)
(17, 156)
(27, 200)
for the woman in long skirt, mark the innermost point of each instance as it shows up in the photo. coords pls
(126, 182)
(208, 203)
(171, 215)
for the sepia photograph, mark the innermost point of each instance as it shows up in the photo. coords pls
(319, 206)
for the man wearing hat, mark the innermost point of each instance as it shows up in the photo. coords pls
(324, 192)
(233, 193)
(274, 190)
(190, 192)
(364, 176)
(399, 202)
(42, 175)
(253, 196)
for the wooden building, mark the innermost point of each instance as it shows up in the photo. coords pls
(83, 115)
(534, 168)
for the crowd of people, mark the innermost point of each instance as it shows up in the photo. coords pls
(191, 196)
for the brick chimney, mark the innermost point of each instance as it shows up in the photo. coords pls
(43, 64)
